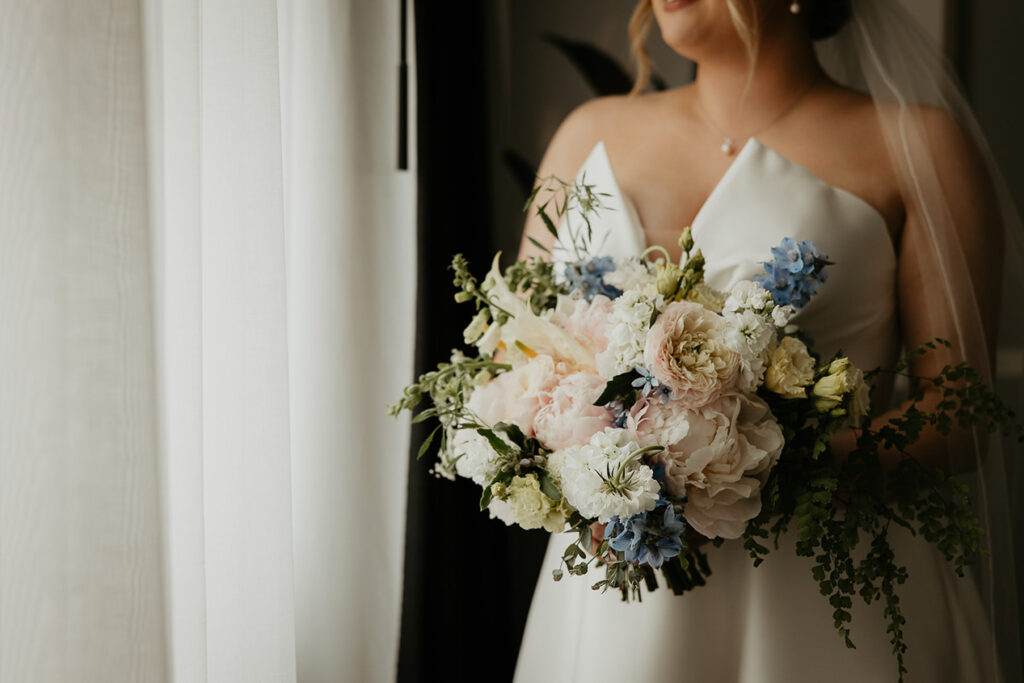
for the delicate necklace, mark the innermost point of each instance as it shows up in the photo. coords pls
(728, 142)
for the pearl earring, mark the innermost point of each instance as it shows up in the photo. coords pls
(794, 8)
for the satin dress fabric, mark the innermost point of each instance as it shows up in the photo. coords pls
(767, 624)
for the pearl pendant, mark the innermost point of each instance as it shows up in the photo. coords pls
(727, 147)
(794, 8)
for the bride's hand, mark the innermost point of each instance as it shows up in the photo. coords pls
(596, 536)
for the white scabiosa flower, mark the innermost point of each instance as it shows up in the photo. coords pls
(629, 273)
(605, 478)
(627, 329)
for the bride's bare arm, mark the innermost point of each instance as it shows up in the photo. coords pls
(566, 152)
(927, 310)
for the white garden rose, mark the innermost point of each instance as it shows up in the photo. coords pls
(686, 349)
(526, 505)
(722, 462)
(603, 478)
(791, 369)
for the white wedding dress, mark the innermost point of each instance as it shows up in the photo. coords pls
(769, 624)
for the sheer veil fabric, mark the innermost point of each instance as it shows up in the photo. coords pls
(883, 51)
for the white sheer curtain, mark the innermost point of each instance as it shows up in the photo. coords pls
(206, 280)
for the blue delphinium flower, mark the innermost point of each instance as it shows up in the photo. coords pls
(619, 411)
(648, 540)
(649, 384)
(795, 273)
(588, 277)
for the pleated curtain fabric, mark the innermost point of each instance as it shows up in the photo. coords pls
(207, 287)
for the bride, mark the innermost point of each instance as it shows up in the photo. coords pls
(765, 144)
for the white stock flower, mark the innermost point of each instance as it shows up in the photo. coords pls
(781, 315)
(791, 369)
(629, 273)
(474, 457)
(601, 481)
(747, 295)
(627, 329)
(751, 336)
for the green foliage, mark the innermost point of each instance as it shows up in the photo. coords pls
(556, 201)
(448, 388)
(833, 506)
(534, 280)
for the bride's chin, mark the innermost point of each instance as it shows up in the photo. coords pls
(690, 27)
(674, 5)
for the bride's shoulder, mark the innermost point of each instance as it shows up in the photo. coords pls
(613, 119)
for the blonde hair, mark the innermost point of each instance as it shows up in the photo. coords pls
(744, 18)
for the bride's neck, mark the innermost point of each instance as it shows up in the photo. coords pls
(739, 99)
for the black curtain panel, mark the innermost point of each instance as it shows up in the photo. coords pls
(468, 579)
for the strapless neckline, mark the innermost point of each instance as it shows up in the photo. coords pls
(749, 148)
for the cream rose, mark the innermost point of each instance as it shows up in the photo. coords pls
(722, 462)
(569, 417)
(686, 351)
(791, 369)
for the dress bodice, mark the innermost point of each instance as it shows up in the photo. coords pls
(769, 624)
(762, 198)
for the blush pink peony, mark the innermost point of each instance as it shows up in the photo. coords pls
(722, 462)
(518, 394)
(686, 351)
(570, 418)
(653, 422)
(585, 321)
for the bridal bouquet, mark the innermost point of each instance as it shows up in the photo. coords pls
(630, 394)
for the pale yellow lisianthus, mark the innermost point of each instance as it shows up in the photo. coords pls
(843, 378)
